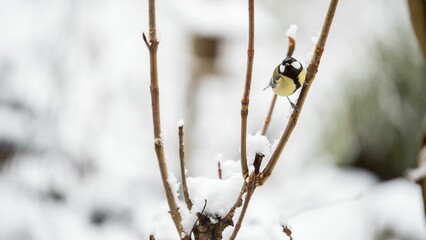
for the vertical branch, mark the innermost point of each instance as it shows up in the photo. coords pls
(291, 47)
(246, 95)
(219, 170)
(182, 169)
(152, 46)
(310, 76)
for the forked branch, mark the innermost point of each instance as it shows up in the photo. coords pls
(310, 76)
(152, 45)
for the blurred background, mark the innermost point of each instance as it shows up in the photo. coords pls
(76, 142)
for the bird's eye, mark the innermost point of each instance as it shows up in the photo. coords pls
(282, 68)
(296, 64)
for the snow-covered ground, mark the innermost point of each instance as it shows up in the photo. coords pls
(74, 100)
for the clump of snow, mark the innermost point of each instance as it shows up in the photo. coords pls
(292, 31)
(180, 123)
(158, 141)
(283, 220)
(257, 144)
(188, 217)
(220, 194)
(174, 184)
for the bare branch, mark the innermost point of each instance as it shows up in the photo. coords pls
(238, 203)
(148, 45)
(246, 95)
(310, 76)
(155, 106)
(269, 116)
(251, 186)
(182, 169)
(291, 46)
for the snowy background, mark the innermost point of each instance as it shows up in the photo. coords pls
(76, 149)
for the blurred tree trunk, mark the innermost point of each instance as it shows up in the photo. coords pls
(418, 19)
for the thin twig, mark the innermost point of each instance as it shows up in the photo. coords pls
(269, 116)
(251, 186)
(246, 95)
(290, 50)
(238, 203)
(219, 170)
(291, 46)
(155, 101)
(182, 169)
(310, 76)
(195, 223)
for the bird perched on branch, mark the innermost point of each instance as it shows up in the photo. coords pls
(287, 78)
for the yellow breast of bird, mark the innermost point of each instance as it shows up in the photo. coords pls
(285, 87)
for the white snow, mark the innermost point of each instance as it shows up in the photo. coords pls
(180, 123)
(292, 31)
(229, 167)
(220, 194)
(283, 221)
(257, 144)
(77, 75)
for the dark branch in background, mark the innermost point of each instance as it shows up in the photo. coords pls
(421, 163)
(291, 47)
(182, 169)
(246, 95)
(418, 19)
(310, 76)
(152, 46)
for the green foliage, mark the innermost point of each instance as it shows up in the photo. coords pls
(380, 127)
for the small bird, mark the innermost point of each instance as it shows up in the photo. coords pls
(287, 78)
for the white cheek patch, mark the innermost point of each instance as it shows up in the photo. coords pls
(296, 65)
(282, 68)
